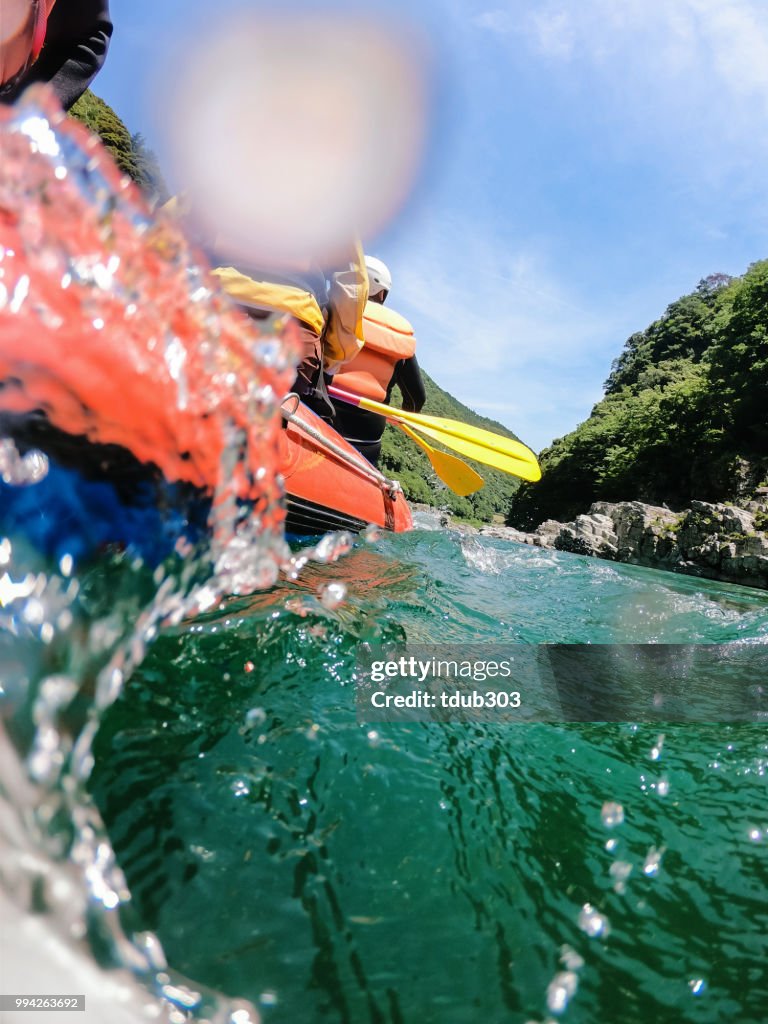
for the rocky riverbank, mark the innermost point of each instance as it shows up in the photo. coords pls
(715, 541)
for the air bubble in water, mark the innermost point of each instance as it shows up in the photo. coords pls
(255, 716)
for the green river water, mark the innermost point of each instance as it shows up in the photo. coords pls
(331, 870)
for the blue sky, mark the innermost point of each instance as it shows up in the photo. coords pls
(590, 162)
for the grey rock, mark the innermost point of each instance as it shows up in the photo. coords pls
(712, 540)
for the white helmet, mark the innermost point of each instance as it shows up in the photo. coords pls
(379, 277)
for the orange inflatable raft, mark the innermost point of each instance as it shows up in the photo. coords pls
(330, 486)
(135, 401)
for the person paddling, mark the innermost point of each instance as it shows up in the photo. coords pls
(62, 42)
(327, 309)
(388, 358)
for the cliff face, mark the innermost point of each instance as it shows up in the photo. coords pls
(710, 540)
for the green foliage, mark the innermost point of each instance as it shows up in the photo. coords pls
(97, 115)
(403, 459)
(685, 405)
(130, 152)
(150, 177)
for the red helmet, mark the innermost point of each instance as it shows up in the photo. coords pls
(22, 34)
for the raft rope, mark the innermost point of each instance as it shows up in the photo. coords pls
(391, 487)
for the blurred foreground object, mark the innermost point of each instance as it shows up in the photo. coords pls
(62, 42)
(291, 132)
(121, 360)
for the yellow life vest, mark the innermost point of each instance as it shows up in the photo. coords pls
(388, 339)
(265, 295)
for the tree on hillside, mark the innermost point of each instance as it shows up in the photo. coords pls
(739, 364)
(130, 152)
(150, 177)
(685, 405)
(403, 459)
(101, 119)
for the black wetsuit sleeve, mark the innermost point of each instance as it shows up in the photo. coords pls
(76, 44)
(408, 378)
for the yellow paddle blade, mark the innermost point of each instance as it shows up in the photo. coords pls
(442, 429)
(454, 473)
(465, 432)
(526, 468)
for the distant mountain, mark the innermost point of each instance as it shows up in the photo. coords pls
(403, 459)
(685, 412)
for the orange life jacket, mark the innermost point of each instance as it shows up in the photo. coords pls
(388, 339)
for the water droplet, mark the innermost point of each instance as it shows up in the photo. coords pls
(697, 986)
(248, 666)
(612, 814)
(20, 292)
(240, 787)
(268, 998)
(756, 835)
(333, 546)
(652, 862)
(570, 959)
(332, 595)
(662, 786)
(592, 922)
(561, 990)
(620, 871)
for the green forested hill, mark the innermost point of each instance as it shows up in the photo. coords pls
(130, 152)
(403, 459)
(685, 412)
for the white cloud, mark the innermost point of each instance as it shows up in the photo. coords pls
(554, 33)
(496, 21)
(497, 329)
(670, 98)
(719, 43)
(681, 87)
